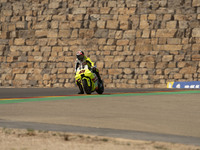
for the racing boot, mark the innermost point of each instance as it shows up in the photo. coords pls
(80, 88)
(81, 92)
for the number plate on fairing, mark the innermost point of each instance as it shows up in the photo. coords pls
(82, 71)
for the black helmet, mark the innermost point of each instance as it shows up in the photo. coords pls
(80, 55)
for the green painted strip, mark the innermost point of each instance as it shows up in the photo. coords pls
(94, 96)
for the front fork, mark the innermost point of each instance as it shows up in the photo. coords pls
(79, 81)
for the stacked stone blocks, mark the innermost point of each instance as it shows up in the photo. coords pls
(135, 43)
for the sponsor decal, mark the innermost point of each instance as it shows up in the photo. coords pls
(186, 85)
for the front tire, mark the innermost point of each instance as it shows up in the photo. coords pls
(87, 88)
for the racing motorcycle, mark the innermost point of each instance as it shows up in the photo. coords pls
(88, 80)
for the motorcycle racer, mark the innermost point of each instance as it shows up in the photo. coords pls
(81, 59)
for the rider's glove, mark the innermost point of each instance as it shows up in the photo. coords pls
(93, 69)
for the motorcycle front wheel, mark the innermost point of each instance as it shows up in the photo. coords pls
(87, 88)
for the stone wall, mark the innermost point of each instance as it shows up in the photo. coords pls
(135, 43)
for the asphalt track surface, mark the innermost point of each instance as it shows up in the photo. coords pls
(139, 114)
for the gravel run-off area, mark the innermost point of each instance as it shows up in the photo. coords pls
(29, 139)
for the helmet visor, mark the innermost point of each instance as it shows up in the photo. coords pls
(80, 57)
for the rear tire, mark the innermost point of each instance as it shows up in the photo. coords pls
(87, 88)
(100, 88)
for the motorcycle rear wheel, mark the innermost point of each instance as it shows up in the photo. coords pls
(87, 88)
(100, 89)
